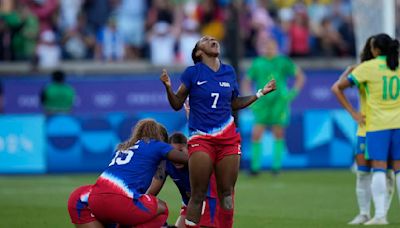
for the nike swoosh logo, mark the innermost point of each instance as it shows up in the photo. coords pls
(201, 83)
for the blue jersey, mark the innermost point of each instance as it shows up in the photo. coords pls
(210, 97)
(180, 176)
(131, 171)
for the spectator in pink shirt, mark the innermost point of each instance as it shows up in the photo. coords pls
(44, 11)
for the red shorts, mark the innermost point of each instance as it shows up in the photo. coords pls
(117, 208)
(78, 209)
(217, 146)
(209, 212)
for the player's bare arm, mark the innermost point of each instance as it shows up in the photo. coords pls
(243, 102)
(338, 88)
(177, 99)
(158, 180)
(178, 157)
(300, 79)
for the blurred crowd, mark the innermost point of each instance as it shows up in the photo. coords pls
(165, 31)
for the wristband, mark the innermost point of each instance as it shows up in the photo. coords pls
(259, 93)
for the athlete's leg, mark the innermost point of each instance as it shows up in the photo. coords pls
(279, 147)
(226, 174)
(200, 170)
(161, 217)
(256, 148)
(363, 185)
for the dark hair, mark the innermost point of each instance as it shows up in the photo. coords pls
(388, 47)
(196, 58)
(58, 76)
(178, 138)
(366, 53)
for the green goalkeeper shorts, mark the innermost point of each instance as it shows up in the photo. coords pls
(271, 113)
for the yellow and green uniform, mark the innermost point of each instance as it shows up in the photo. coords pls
(361, 131)
(272, 109)
(382, 89)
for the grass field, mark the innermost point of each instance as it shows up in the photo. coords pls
(294, 199)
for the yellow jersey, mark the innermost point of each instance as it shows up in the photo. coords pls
(361, 131)
(382, 90)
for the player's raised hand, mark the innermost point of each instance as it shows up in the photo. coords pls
(269, 87)
(165, 78)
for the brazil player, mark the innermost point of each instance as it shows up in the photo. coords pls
(180, 175)
(118, 194)
(214, 140)
(270, 65)
(363, 181)
(381, 80)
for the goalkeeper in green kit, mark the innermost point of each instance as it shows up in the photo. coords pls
(273, 110)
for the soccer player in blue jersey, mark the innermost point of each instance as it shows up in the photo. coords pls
(363, 180)
(214, 141)
(180, 175)
(118, 196)
(380, 78)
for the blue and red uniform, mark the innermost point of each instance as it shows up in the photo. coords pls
(118, 194)
(180, 176)
(78, 207)
(211, 125)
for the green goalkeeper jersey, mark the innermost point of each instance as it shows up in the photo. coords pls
(264, 69)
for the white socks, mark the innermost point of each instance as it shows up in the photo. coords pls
(363, 192)
(390, 183)
(379, 192)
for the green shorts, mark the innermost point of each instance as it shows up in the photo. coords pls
(271, 112)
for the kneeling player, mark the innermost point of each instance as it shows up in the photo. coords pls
(180, 175)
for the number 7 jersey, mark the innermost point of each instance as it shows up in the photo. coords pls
(382, 89)
(210, 97)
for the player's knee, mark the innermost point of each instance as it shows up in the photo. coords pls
(198, 196)
(227, 202)
(162, 207)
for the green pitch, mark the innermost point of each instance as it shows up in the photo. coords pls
(293, 199)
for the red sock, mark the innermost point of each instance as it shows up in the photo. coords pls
(156, 222)
(225, 218)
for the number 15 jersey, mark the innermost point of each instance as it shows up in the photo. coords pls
(210, 96)
(382, 89)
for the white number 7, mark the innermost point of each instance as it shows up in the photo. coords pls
(216, 95)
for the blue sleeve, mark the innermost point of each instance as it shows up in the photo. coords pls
(163, 148)
(353, 81)
(186, 77)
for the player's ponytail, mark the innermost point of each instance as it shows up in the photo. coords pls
(392, 60)
(388, 47)
(196, 58)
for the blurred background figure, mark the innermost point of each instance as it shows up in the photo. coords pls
(162, 42)
(58, 96)
(48, 52)
(272, 111)
(110, 42)
(186, 41)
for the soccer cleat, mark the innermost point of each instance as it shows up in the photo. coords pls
(377, 221)
(359, 219)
